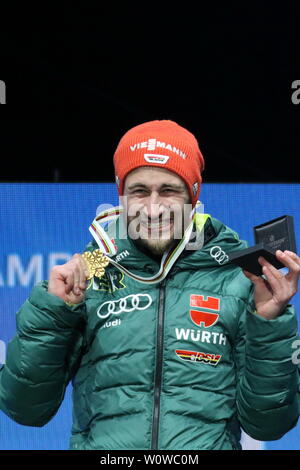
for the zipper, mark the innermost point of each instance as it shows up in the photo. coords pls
(159, 364)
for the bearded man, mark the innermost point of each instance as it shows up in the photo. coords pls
(170, 346)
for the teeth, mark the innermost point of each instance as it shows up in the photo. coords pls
(156, 226)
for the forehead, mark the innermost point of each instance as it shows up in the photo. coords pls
(153, 175)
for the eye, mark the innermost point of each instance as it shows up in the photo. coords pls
(139, 191)
(168, 190)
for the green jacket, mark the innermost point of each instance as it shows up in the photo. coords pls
(179, 365)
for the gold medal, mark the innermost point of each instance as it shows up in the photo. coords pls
(96, 262)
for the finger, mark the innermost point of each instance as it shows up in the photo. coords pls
(275, 279)
(62, 274)
(283, 285)
(69, 281)
(255, 279)
(274, 282)
(84, 273)
(79, 274)
(290, 260)
(76, 288)
(293, 255)
(276, 273)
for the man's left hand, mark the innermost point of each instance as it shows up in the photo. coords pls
(272, 295)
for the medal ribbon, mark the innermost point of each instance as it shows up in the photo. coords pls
(107, 246)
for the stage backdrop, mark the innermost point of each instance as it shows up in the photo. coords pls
(44, 224)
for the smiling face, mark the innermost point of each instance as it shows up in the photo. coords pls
(157, 205)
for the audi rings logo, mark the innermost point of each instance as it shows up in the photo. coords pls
(126, 304)
(219, 255)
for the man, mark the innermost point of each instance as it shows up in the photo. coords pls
(174, 347)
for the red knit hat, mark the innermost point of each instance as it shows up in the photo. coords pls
(163, 144)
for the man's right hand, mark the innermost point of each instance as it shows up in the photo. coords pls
(68, 281)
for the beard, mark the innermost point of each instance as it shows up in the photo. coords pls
(156, 247)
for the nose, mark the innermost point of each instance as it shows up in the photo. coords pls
(153, 206)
